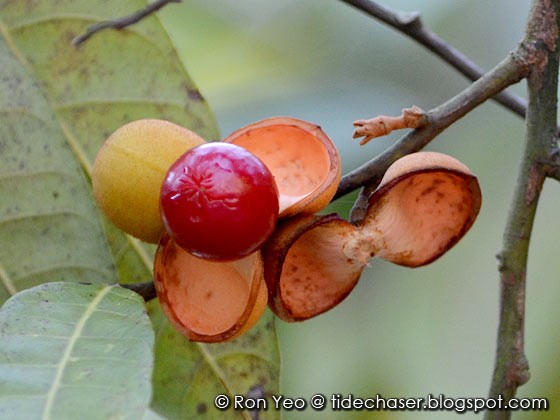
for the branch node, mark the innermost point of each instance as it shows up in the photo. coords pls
(382, 125)
(501, 263)
(552, 166)
(408, 19)
(518, 373)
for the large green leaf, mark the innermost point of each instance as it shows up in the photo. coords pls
(71, 350)
(49, 227)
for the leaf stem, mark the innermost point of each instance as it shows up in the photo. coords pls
(511, 368)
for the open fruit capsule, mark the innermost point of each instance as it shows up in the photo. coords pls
(425, 203)
(209, 301)
(302, 158)
(306, 270)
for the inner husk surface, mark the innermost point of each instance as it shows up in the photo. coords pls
(316, 275)
(208, 297)
(421, 216)
(296, 158)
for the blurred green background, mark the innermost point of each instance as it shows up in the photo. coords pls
(401, 332)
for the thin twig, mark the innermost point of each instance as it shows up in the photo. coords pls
(509, 71)
(411, 25)
(122, 22)
(359, 209)
(147, 290)
(511, 368)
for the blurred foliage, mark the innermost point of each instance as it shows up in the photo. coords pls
(402, 332)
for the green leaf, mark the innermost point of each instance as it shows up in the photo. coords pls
(189, 376)
(71, 350)
(49, 227)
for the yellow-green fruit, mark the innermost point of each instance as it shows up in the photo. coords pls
(130, 168)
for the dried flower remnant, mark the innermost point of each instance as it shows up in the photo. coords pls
(382, 125)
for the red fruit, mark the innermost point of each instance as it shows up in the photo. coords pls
(219, 201)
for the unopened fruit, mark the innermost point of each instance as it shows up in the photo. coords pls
(129, 170)
(219, 201)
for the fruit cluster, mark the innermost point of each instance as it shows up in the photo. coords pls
(236, 220)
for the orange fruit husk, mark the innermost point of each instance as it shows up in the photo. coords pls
(303, 159)
(424, 205)
(208, 301)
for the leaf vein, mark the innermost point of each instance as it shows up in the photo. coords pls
(69, 348)
(211, 361)
(44, 172)
(61, 266)
(60, 213)
(24, 111)
(112, 101)
(7, 281)
(250, 353)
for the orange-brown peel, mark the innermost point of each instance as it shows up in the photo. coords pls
(306, 270)
(304, 161)
(209, 301)
(426, 202)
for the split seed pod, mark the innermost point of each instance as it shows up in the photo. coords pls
(209, 301)
(424, 204)
(304, 161)
(306, 270)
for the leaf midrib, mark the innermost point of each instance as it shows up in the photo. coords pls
(90, 309)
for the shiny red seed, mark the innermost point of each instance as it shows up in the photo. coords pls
(219, 201)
